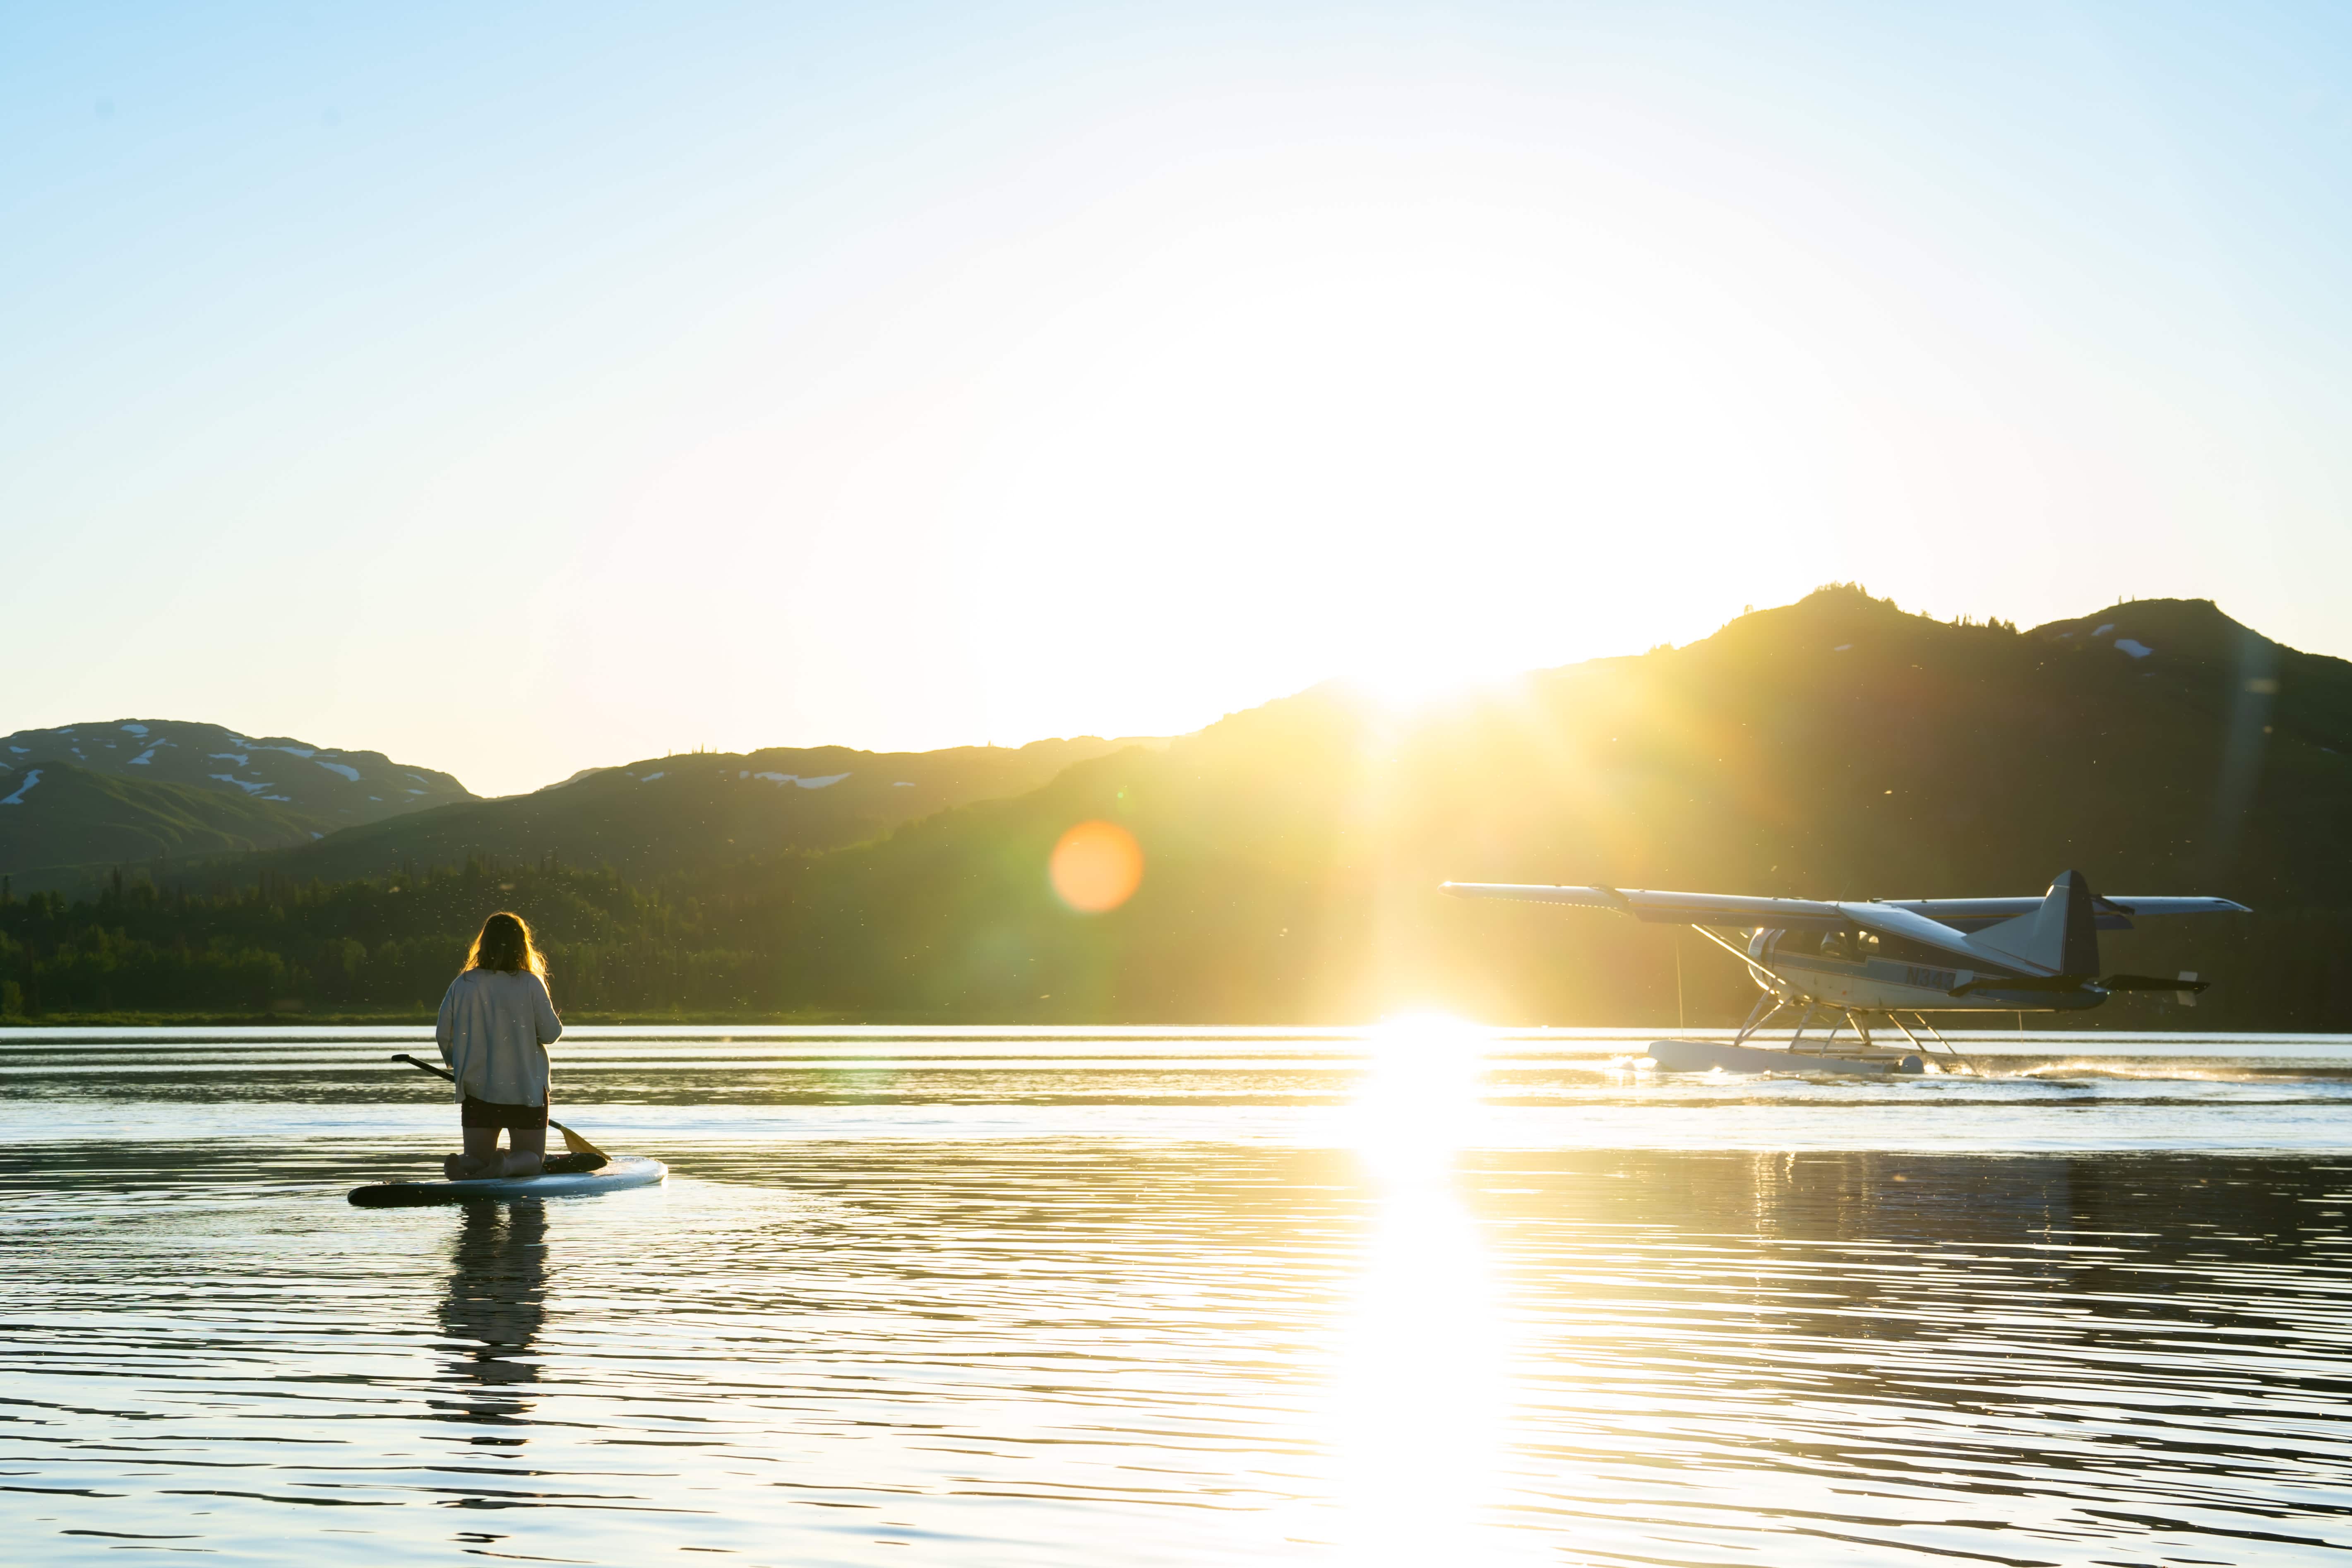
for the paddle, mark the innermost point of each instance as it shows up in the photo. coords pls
(572, 1141)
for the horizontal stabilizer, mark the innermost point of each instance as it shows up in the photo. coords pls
(2115, 911)
(2027, 982)
(2063, 983)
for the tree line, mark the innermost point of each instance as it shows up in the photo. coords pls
(370, 945)
(827, 936)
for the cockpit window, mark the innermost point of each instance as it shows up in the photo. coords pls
(1849, 945)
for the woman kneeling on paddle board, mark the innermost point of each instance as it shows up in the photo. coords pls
(496, 1024)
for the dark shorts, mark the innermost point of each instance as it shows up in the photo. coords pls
(490, 1113)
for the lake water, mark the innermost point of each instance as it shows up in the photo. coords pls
(1418, 1296)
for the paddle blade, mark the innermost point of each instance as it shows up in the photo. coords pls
(576, 1144)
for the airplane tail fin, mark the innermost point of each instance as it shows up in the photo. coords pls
(2061, 935)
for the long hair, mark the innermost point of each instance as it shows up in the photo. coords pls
(504, 944)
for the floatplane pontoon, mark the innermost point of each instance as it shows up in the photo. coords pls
(1844, 964)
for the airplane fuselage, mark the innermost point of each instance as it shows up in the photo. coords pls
(1892, 956)
(1866, 975)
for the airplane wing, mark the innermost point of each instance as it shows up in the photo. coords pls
(1945, 926)
(1673, 908)
(1738, 909)
(2150, 904)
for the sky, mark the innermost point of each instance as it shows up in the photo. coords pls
(516, 389)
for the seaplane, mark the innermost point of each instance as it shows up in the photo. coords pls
(1841, 966)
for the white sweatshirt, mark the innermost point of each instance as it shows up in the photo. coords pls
(494, 1031)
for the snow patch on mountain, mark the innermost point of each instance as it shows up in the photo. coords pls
(18, 798)
(215, 757)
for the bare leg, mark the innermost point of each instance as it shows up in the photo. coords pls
(529, 1150)
(480, 1158)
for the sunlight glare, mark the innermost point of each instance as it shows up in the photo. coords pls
(1420, 1095)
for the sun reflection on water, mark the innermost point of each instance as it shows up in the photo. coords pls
(1420, 1401)
(1416, 1108)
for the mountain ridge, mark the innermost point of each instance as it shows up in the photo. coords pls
(660, 815)
(341, 787)
(1836, 747)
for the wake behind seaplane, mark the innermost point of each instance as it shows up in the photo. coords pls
(1885, 958)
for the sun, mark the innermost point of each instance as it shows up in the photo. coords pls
(1423, 679)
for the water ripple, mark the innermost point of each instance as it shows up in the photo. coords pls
(1650, 1324)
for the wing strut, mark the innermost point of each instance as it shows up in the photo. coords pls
(1761, 975)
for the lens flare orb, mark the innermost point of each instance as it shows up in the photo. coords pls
(1095, 867)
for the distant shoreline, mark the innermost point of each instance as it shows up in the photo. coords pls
(408, 1016)
(2045, 1024)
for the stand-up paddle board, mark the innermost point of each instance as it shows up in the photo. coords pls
(612, 1175)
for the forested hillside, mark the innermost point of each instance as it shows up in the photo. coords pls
(61, 825)
(665, 816)
(373, 946)
(1834, 747)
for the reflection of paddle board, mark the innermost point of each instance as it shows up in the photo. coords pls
(620, 1171)
(1705, 1056)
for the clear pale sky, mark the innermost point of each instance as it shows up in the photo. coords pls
(518, 388)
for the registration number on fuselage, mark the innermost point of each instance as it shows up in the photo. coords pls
(1934, 979)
